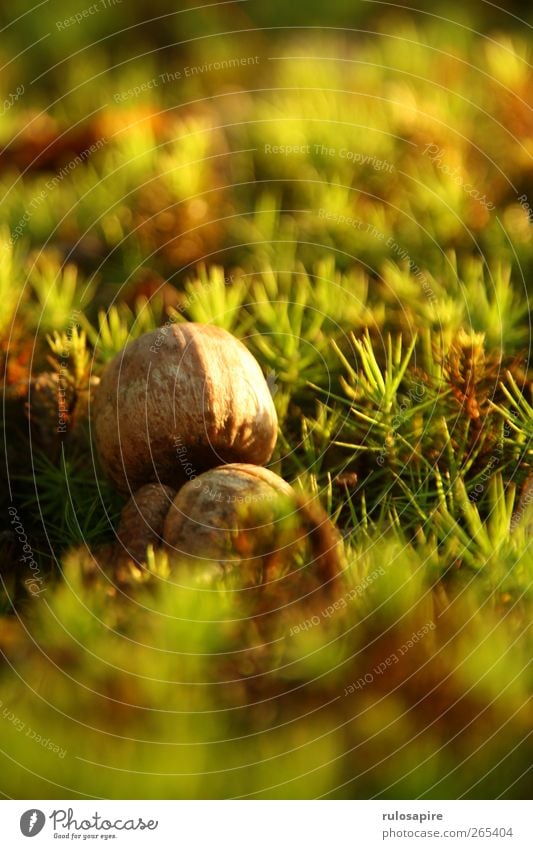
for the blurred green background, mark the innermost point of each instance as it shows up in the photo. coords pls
(379, 269)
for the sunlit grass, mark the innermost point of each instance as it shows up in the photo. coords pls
(388, 308)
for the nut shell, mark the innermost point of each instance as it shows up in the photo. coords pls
(179, 400)
(275, 548)
(142, 519)
(207, 512)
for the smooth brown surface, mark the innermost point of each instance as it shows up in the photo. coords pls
(180, 400)
(207, 512)
(142, 519)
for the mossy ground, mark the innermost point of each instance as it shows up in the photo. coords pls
(354, 207)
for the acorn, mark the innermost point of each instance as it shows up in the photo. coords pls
(178, 401)
(142, 519)
(241, 513)
(208, 510)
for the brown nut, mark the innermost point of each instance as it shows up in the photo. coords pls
(180, 400)
(205, 512)
(142, 519)
(240, 512)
